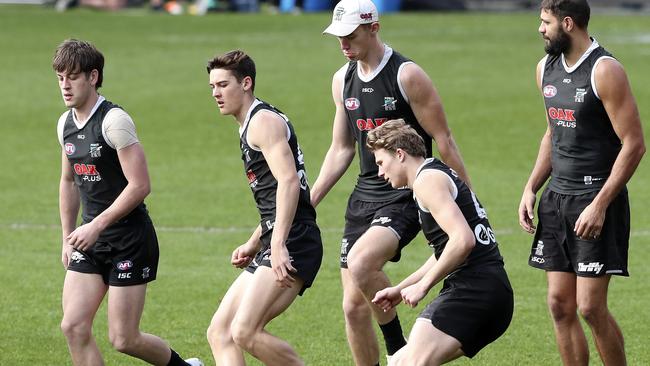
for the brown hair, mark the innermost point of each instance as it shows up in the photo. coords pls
(396, 134)
(236, 61)
(75, 56)
(578, 10)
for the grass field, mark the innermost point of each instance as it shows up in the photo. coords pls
(482, 64)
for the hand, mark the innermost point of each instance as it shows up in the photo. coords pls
(243, 255)
(387, 298)
(590, 222)
(413, 294)
(281, 265)
(527, 211)
(85, 236)
(66, 254)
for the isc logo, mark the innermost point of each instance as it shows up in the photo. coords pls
(122, 276)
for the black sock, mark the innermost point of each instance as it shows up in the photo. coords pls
(393, 336)
(176, 360)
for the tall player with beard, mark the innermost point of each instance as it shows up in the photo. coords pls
(591, 148)
(284, 253)
(114, 251)
(376, 85)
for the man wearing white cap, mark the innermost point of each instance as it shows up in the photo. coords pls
(376, 85)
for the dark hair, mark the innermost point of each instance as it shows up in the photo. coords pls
(396, 134)
(75, 56)
(578, 10)
(236, 61)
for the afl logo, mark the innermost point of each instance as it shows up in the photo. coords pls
(352, 104)
(124, 265)
(549, 91)
(69, 148)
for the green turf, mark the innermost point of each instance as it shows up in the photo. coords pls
(482, 64)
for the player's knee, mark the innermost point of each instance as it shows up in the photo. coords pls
(123, 343)
(560, 308)
(243, 335)
(593, 313)
(361, 268)
(356, 310)
(218, 334)
(75, 331)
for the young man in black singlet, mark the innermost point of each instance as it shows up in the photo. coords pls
(592, 146)
(284, 253)
(114, 251)
(376, 85)
(475, 304)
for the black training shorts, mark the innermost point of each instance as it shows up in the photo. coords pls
(125, 254)
(400, 216)
(474, 306)
(305, 250)
(556, 247)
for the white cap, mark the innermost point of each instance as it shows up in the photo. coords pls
(349, 14)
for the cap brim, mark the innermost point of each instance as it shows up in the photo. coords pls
(340, 29)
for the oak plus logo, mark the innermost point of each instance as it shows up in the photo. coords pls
(562, 117)
(252, 178)
(87, 172)
(367, 124)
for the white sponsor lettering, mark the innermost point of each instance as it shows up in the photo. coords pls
(594, 267)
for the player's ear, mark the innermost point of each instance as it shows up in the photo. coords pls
(93, 76)
(401, 155)
(247, 83)
(374, 27)
(568, 24)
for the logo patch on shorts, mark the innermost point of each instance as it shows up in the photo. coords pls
(540, 248)
(77, 257)
(125, 265)
(344, 246)
(382, 220)
(145, 272)
(591, 267)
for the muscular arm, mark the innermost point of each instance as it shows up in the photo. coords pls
(268, 132)
(341, 151)
(68, 206)
(427, 107)
(616, 95)
(539, 175)
(434, 191)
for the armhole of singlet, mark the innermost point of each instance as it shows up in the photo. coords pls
(593, 74)
(454, 193)
(541, 71)
(341, 75)
(399, 82)
(286, 125)
(108, 141)
(60, 126)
